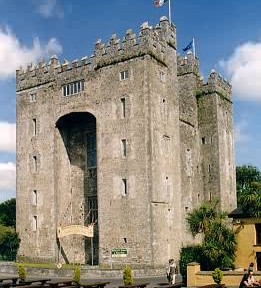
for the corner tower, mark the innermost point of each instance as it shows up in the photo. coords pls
(217, 141)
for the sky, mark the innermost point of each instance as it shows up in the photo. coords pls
(227, 37)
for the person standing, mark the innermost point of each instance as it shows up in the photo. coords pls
(171, 271)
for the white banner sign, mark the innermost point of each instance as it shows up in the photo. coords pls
(75, 230)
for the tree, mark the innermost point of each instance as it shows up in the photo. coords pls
(219, 241)
(249, 199)
(9, 242)
(199, 219)
(8, 212)
(247, 174)
(249, 189)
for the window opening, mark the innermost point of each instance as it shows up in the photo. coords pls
(124, 191)
(73, 88)
(124, 75)
(124, 147)
(123, 107)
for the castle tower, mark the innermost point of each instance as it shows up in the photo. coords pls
(217, 142)
(98, 140)
(116, 141)
(191, 175)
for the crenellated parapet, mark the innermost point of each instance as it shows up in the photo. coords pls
(217, 84)
(153, 41)
(188, 64)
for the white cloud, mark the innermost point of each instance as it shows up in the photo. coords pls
(13, 54)
(8, 137)
(7, 177)
(243, 68)
(50, 9)
(241, 135)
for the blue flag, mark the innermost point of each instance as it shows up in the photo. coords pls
(188, 47)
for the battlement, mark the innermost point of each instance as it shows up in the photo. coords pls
(188, 64)
(152, 41)
(217, 84)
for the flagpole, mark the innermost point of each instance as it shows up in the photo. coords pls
(193, 47)
(169, 13)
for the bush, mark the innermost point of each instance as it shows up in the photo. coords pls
(187, 255)
(9, 243)
(127, 276)
(77, 275)
(21, 272)
(217, 275)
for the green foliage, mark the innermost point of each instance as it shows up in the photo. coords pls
(219, 245)
(127, 276)
(217, 275)
(249, 198)
(77, 275)
(8, 212)
(9, 243)
(21, 272)
(249, 190)
(247, 174)
(199, 219)
(219, 241)
(189, 254)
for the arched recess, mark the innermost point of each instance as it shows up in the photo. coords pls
(76, 185)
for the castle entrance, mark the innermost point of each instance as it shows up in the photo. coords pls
(76, 186)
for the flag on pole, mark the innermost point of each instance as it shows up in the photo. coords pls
(188, 47)
(159, 3)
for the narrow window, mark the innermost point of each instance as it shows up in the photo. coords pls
(75, 90)
(34, 127)
(124, 189)
(124, 147)
(258, 261)
(162, 76)
(34, 197)
(125, 240)
(203, 140)
(64, 91)
(123, 107)
(35, 163)
(79, 86)
(32, 97)
(35, 224)
(209, 168)
(124, 75)
(258, 234)
(71, 89)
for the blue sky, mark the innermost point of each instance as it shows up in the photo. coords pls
(227, 35)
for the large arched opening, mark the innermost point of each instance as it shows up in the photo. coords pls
(76, 185)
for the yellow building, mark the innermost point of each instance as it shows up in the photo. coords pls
(248, 230)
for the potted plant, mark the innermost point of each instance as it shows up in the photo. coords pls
(127, 276)
(77, 275)
(21, 273)
(217, 276)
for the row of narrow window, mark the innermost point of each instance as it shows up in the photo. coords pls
(77, 87)
(73, 88)
(123, 149)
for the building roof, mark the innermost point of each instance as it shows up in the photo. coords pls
(240, 213)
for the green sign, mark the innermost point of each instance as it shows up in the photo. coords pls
(119, 252)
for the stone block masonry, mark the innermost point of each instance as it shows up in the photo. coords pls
(129, 139)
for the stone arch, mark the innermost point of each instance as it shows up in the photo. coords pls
(76, 184)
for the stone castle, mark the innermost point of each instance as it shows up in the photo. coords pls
(128, 140)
